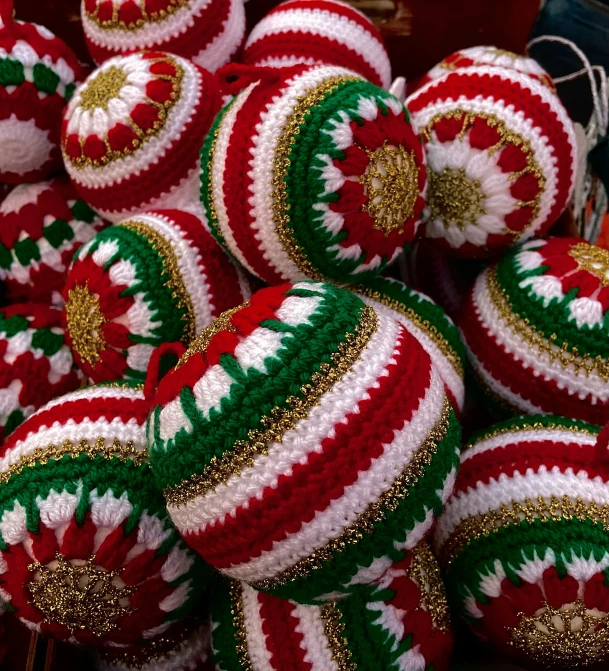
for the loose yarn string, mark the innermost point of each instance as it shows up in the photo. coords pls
(153, 374)
(244, 75)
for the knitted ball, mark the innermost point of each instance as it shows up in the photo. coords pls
(185, 647)
(303, 442)
(88, 554)
(401, 624)
(319, 32)
(207, 32)
(313, 173)
(501, 158)
(132, 133)
(41, 227)
(535, 326)
(36, 365)
(158, 277)
(525, 541)
(38, 74)
(429, 324)
(465, 58)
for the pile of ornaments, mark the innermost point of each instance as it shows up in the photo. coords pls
(231, 437)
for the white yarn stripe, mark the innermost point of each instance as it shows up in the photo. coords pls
(580, 384)
(584, 569)
(519, 436)
(228, 40)
(331, 26)
(269, 130)
(90, 393)
(83, 430)
(315, 642)
(286, 61)
(368, 487)
(254, 636)
(303, 440)
(518, 487)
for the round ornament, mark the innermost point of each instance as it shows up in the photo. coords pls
(319, 32)
(38, 74)
(133, 131)
(88, 553)
(158, 277)
(36, 364)
(536, 326)
(41, 227)
(207, 32)
(429, 324)
(402, 623)
(525, 544)
(465, 58)
(501, 158)
(313, 173)
(303, 442)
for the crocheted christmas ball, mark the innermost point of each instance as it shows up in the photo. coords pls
(319, 32)
(429, 324)
(313, 173)
(36, 365)
(489, 55)
(303, 441)
(38, 74)
(402, 623)
(501, 158)
(535, 326)
(133, 131)
(155, 278)
(88, 553)
(207, 32)
(525, 543)
(185, 647)
(41, 227)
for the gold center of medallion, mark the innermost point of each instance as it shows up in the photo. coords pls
(103, 88)
(79, 595)
(84, 320)
(455, 198)
(569, 637)
(593, 259)
(391, 183)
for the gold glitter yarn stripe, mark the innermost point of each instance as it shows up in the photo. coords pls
(334, 629)
(280, 420)
(565, 355)
(423, 324)
(236, 600)
(213, 214)
(565, 508)
(424, 571)
(281, 162)
(367, 521)
(506, 136)
(171, 265)
(147, 17)
(42, 455)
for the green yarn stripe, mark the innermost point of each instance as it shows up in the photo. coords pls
(394, 527)
(57, 233)
(44, 78)
(224, 633)
(50, 343)
(10, 326)
(26, 251)
(12, 72)
(6, 257)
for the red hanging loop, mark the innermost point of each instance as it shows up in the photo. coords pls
(153, 374)
(235, 77)
(6, 13)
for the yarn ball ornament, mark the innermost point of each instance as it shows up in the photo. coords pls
(525, 545)
(133, 131)
(88, 552)
(489, 55)
(156, 278)
(303, 442)
(41, 227)
(185, 647)
(319, 32)
(38, 75)
(429, 324)
(36, 364)
(313, 172)
(501, 158)
(536, 326)
(402, 623)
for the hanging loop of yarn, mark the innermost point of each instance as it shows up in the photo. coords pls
(6, 13)
(153, 376)
(236, 77)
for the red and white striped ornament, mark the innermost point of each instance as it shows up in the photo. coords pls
(501, 158)
(319, 32)
(132, 133)
(207, 32)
